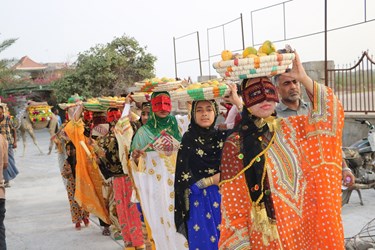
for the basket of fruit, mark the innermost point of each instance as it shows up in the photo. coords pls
(209, 90)
(265, 61)
(94, 105)
(157, 85)
(141, 96)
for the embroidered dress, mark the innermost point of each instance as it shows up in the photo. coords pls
(127, 212)
(302, 180)
(154, 181)
(89, 194)
(197, 214)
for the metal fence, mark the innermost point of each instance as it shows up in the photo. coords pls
(354, 85)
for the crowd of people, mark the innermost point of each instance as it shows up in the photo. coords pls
(269, 177)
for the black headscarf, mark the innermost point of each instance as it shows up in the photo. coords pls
(198, 157)
(71, 159)
(253, 140)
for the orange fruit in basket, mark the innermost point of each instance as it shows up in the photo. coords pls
(226, 55)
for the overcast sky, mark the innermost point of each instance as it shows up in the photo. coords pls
(55, 31)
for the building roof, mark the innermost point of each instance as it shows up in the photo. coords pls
(26, 64)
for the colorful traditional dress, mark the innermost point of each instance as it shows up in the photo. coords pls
(89, 194)
(116, 145)
(154, 181)
(287, 195)
(68, 173)
(197, 213)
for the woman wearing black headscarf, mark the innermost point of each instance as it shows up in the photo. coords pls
(197, 197)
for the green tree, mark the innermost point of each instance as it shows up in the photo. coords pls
(106, 70)
(6, 74)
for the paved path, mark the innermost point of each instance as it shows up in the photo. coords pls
(38, 216)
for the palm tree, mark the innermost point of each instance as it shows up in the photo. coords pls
(5, 72)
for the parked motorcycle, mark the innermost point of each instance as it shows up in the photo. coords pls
(360, 158)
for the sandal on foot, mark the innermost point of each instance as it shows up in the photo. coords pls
(117, 236)
(106, 232)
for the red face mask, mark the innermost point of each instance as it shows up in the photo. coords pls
(87, 115)
(258, 92)
(161, 103)
(113, 115)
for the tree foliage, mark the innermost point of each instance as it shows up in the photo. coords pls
(6, 74)
(106, 70)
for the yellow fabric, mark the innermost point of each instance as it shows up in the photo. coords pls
(88, 193)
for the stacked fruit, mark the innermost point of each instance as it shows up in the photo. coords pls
(157, 84)
(267, 48)
(93, 104)
(208, 90)
(112, 101)
(265, 61)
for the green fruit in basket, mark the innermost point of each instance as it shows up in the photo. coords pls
(164, 79)
(267, 47)
(249, 51)
(261, 54)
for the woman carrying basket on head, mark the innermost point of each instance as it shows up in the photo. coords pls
(153, 154)
(197, 197)
(281, 178)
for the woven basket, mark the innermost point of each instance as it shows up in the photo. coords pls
(206, 93)
(157, 86)
(141, 96)
(65, 106)
(254, 67)
(95, 107)
(111, 103)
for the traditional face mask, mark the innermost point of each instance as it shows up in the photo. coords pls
(258, 92)
(161, 103)
(87, 115)
(113, 115)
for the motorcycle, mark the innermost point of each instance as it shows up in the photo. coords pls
(360, 158)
